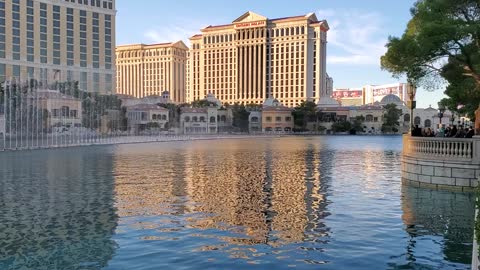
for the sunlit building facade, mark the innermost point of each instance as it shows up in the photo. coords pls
(53, 40)
(145, 70)
(255, 58)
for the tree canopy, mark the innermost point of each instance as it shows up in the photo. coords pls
(303, 113)
(441, 32)
(390, 118)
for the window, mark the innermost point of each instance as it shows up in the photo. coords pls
(268, 118)
(406, 118)
(278, 119)
(212, 119)
(187, 119)
(288, 119)
(428, 123)
(369, 118)
(417, 120)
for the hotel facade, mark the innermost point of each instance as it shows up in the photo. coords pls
(255, 58)
(146, 70)
(54, 40)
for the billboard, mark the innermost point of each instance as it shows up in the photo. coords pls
(383, 91)
(346, 93)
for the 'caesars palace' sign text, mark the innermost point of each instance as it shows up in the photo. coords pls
(249, 24)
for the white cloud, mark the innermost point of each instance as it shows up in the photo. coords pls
(174, 31)
(355, 37)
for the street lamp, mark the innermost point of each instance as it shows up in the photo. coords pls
(441, 110)
(411, 91)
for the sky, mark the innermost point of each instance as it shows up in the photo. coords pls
(358, 32)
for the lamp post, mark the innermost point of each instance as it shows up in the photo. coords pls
(411, 91)
(441, 110)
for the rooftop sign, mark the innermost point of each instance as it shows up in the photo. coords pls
(250, 24)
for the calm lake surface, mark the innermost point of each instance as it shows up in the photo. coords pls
(272, 203)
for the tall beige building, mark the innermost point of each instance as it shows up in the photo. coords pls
(59, 40)
(144, 70)
(254, 58)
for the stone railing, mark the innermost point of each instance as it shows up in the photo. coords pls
(451, 149)
(453, 163)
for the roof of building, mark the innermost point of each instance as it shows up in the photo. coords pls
(272, 104)
(142, 46)
(326, 101)
(140, 107)
(390, 98)
(194, 110)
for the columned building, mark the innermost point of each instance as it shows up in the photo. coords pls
(55, 40)
(145, 70)
(255, 58)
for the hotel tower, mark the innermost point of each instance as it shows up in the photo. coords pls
(254, 58)
(59, 40)
(146, 70)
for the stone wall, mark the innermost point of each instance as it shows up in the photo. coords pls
(439, 163)
(440, 174)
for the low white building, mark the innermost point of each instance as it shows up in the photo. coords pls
(142, 117)
(199, 120)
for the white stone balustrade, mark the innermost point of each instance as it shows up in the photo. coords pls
(441, 162)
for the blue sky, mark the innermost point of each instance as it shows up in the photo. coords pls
(358, 29)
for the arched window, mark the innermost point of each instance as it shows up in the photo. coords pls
(417, 121)
(164, 117)
(194, 119)
(369, 118)
(202, 119)
(187, 119)
(428, 123)
(406, 118)
(223, 118)
(254, 119)
(212, 119)
(154, 116)
(297, 31)
(287, 31)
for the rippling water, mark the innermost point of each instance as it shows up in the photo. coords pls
(305, 203)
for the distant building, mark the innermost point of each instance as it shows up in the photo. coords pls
(349, 96)
(146, 116)
(276, 117)
(146, 70)
(59, 110)
(255, 121)
(255, 58)
(152, 100)
(375, 93)
(59, 41)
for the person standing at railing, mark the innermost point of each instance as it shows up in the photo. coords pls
(460, 133)
(470, 133)
(441, 131)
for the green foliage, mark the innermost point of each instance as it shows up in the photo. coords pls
(321, 128)
(202, 103)
(357, 124)
(303, 113)
(390, 118)
(438, 29)
(342, 126)
(152, 125)
(240, 117)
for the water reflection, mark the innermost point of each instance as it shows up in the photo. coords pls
(232, 204)
(438, 218)
(56, 210)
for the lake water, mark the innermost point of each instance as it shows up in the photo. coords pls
(271, 203)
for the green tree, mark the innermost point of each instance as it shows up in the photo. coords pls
(303, 113)
(202, 103)
(341, 126)
(438, 30)
(390, 118)
(240, 117)
(357, 124)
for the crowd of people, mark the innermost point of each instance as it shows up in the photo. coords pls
(450, 132)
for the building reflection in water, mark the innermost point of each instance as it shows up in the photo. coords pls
(56, 210)
(447, 215)
(257, 194)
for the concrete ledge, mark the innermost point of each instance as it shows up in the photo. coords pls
(438, 187)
